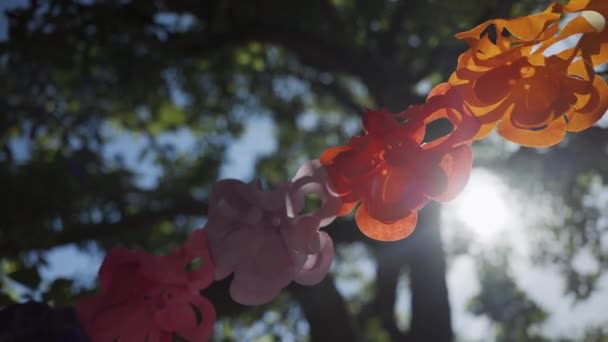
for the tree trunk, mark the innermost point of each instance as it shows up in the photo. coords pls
(431, 319)
(326, 312)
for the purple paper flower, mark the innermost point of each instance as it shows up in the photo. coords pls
(264, 239)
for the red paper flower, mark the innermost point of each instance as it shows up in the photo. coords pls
(393, 173)
(149, 298)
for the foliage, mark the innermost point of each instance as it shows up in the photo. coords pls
(504, 303)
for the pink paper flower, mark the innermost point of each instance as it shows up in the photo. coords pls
(149, 298)
(262, 238)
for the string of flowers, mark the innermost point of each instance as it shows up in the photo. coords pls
(508, 80)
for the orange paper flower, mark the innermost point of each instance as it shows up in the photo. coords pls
(593, 44)
(508, 79)
(394, 174)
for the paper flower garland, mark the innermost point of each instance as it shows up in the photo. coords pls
(508, 80)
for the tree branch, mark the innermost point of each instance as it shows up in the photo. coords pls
(312, 49)
(77, 233)
(342, 95)
(335, 23)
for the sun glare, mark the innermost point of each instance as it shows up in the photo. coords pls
(483, 206)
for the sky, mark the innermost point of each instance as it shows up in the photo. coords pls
(4, 5)
(543, 284)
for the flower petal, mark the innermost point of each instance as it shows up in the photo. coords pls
(312, 178)
(457, 165)
(229, 252)
(249, 293)
(379, 121)
(590, 107)
(549, 136)
(118, 265)
(347, 208)
(176, 315)
(197, 247)
(485, 130)
(315, 270)
(202, 331)
(303, 236)
(378, 230)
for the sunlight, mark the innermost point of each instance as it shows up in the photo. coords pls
(482, 206)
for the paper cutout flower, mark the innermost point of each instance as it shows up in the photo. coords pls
(393, 174)
(262, 238)
(149, 298)
(506, 80)
(593, 44)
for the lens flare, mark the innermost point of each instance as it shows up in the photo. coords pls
(483, 205)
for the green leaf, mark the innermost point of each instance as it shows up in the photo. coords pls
(194, 265)
(60, 292)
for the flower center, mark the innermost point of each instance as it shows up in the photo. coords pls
(527, 72)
